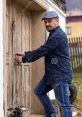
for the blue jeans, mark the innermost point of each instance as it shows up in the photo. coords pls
(61, 90)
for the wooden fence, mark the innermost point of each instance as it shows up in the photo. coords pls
(75, 45)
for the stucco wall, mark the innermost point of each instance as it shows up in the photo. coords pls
(76, 29)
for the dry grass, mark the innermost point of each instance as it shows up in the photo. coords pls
(77, 105)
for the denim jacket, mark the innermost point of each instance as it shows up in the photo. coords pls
(57, 57)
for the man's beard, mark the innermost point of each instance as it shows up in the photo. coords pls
(49, 28)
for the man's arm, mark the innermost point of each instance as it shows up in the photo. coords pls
(45, 49)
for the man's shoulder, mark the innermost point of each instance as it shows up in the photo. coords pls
(60, 33)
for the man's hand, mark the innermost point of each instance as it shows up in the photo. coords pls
(18, 58)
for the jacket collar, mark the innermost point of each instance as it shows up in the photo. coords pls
(54, 29)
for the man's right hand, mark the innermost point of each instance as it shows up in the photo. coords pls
(18, 58)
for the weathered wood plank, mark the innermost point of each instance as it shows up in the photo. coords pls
(17, 48)
(8, 52)
(25, 68)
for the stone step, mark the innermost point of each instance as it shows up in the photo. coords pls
(26, 113)
(75, 114)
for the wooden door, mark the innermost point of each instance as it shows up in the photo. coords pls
(17, 40)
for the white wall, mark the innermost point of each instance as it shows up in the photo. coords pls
(1, 58)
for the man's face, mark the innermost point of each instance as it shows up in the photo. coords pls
(50, 24)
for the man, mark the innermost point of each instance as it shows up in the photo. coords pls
(58, 72)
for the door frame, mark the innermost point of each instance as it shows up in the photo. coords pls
(43, 6)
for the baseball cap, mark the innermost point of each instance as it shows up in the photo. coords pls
(50, 14)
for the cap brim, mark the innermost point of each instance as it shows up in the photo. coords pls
(49, 18)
